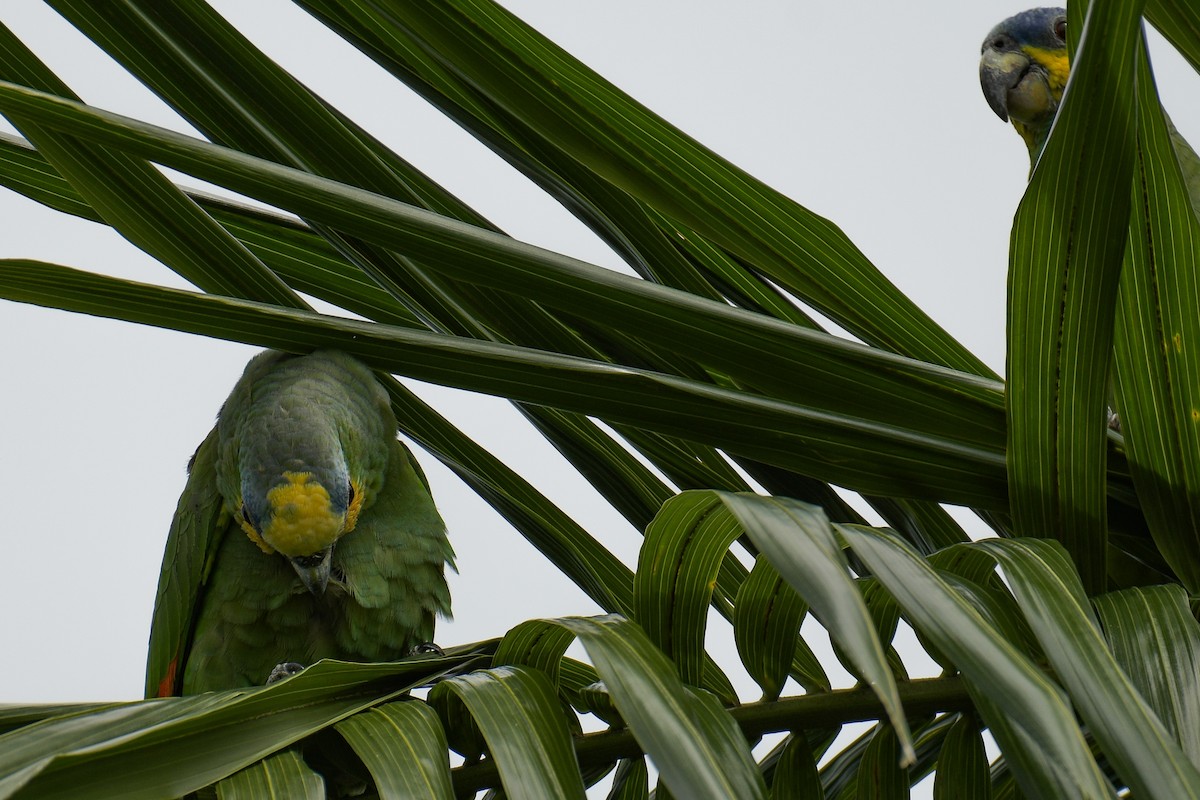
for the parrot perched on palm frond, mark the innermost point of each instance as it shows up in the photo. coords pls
(306, 530)
(1024, 68)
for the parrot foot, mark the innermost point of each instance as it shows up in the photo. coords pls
(285, 670)
(1114, 421)
(426, 649)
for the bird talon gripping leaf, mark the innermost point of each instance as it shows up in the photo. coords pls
(285, 670)
(306, 531)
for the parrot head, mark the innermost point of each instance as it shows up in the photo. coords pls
(1023, 70)
(303, 444)
(300, 512)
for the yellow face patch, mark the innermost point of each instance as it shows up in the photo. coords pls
(301, 520)
(1057, 64)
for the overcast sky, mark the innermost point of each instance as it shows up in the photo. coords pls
(868, 113)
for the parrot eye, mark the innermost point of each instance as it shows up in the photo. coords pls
(1060, 29)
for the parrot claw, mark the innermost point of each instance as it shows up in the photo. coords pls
(285, 670)
(1114, 421)
(426, 649)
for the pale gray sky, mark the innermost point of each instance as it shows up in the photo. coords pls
(868, 113)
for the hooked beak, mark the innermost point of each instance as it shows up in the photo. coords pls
(314, 570)
(1014, 87)
(999, 72)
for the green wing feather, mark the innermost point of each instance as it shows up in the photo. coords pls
(394, 566)
(195, 535)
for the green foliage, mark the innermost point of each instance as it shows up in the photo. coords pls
(1080, 663)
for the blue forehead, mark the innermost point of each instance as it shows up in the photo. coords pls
(1034, 27)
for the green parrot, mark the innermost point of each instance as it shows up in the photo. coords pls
(305, 531)
(1024, 69)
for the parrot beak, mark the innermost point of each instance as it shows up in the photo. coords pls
(1012, 88)
(314, 570)
(999, 72)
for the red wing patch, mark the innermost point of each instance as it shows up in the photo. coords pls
(166, 687)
